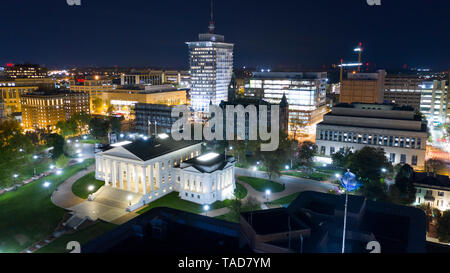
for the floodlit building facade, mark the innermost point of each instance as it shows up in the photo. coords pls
(125, 98)
(206, 179)
(44, 109)
(211, 68)
(400, 133)
(433, 102)
(149, 169)
(305, 93)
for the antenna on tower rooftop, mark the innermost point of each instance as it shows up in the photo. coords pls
(211, 23)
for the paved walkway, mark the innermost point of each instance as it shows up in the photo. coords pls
(63, 196)
(292, 185)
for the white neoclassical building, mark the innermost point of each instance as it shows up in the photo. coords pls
(137, 173)
(144, 169)
(206, 178)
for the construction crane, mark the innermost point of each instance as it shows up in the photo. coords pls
(359, 49)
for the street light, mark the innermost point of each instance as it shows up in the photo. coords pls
(206, 208)
(91, 188)
(268, 192)
(68, 141)
(231, 147)
(58, 172)
(286, 167)
(52, 167)
(47, 185)
(383, 170)
(129, 199)
(80, 160)
(84, 137)
(35, 156)
(337, 175)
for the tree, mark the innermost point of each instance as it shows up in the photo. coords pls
(67, 128)
(57, 142)
(443, 227)
(374, 190)
(82, 120)
(97, 105)
(115, 124)
(342, 158)
(306, 153)
(99, 127)
(434, 165)
(239, 149)
(368, 162)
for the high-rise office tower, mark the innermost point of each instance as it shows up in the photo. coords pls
(211, 67)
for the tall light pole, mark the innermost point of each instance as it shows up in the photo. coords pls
(206, 208)
(349, 182)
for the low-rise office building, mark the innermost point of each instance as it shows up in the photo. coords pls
(153, 118)
(182, 79)
(94, 86)
(305, 93)
(403, 90)
(123, 99)
(363, 87)
(12, 89)
(401, 133)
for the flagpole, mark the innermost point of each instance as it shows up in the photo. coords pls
(345, 221)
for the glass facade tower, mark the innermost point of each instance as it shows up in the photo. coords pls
(211, 68)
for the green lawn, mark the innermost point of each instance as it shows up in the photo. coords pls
(261, 184)
(285, 200)
(172, 200)
(28, 215)
(82, 236)
(227, 217)
(80, 187)
(240, 192)
(315, 176)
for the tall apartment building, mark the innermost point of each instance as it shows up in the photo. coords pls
(305, 92)
(401, 134)
(94, 86)
(44, 109)
(434, 102)
(403, 90)
(363, 87)
(26, 71)
(211, 67)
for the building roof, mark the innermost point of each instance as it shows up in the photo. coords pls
(438, 181)
(152, 148)
(208, 163)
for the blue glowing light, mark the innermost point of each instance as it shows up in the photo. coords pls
(349, 181)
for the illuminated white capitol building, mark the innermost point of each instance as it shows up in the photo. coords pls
(144, 170)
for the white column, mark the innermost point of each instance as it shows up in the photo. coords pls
(128, 177)
(144, 180)
(159, 175)
(106, 176)
(136, 179)
(151, 177)
(121, 175)
(113, 173)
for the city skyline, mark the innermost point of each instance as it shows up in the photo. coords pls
(307, 34)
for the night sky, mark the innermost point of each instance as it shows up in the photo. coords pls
(295, 33)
